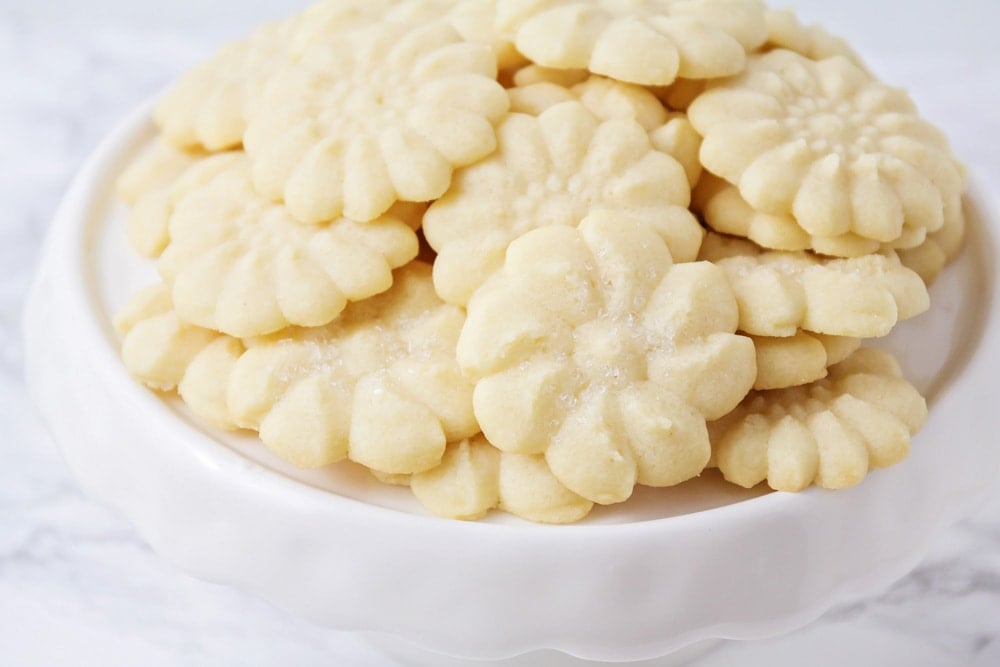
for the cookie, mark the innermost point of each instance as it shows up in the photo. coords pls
(553, 170)
(240, 264)
(785, 31)
(382, 113)
(593, 348)
(929, 258)
(724, 210)
(649, 42)
(379, 385)
(210, 104)
(475, 477)
(829, 146)
(166, 354)
(147, 186)
(607, 99)
(780, 292)
(829, 433)
(799, 359)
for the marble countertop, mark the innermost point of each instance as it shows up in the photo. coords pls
(77, 584)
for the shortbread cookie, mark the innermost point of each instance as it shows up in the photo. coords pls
(475, 477)
(829, 433)
(940, 248)
(473, 19)
(780, 293)
(825, 143)
(785, 31)
(146, 185)
(240, 264)
(381, 113)
(724, 210)
(379, 385)
(607, 99)
(209, 105)
(649, 42)
(799, 359)
(165, 353)
(592, 347)
(553, 169)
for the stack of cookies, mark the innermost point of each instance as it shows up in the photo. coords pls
(527, 254)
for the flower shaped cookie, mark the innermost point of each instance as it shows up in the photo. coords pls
(147, 185)
(381, 113)
(380, 385)
(825, 143)
(607, 99)
(209, 106)
(800, 359)
(166, 353)
(829, 433)
(475, 477)
(240, 264)
(592, 347)
(941, 247)
(785, 31)
(724, 210)
(553, 169)
(649, 42)
(780, 293)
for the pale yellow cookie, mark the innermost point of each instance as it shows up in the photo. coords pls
(240, 264)
(473, 19)
(380, 114)
(828, 433)
(146, 185)
(210, 104)
(649, 42)
(828, 145)
(780, 292)
(724, 210)
(799, 359)
(165, 353)
(379, 385)
(940, 248)
(592, 347)
(553, 169)
(785, 31)
(607, 99)
(475, 477)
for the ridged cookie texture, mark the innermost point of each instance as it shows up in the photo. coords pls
(209, 105)
(828, 145)
(240, 264)
(380, 114)
(379, 386)
(799, 359)
(786, 31)
(649, 42)
(147, 185)
(593, 348)
(538, 88)
(829, 433)
(554, 170)
(475, 477)
(780, 293)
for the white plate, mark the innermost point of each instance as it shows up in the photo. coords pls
(663, 571)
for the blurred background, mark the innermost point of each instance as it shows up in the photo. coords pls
(77, 585)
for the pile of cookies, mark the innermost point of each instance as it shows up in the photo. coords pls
(528, 254)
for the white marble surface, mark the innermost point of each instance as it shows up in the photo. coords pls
(77, 585)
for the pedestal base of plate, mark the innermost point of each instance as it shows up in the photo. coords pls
(403, 653)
